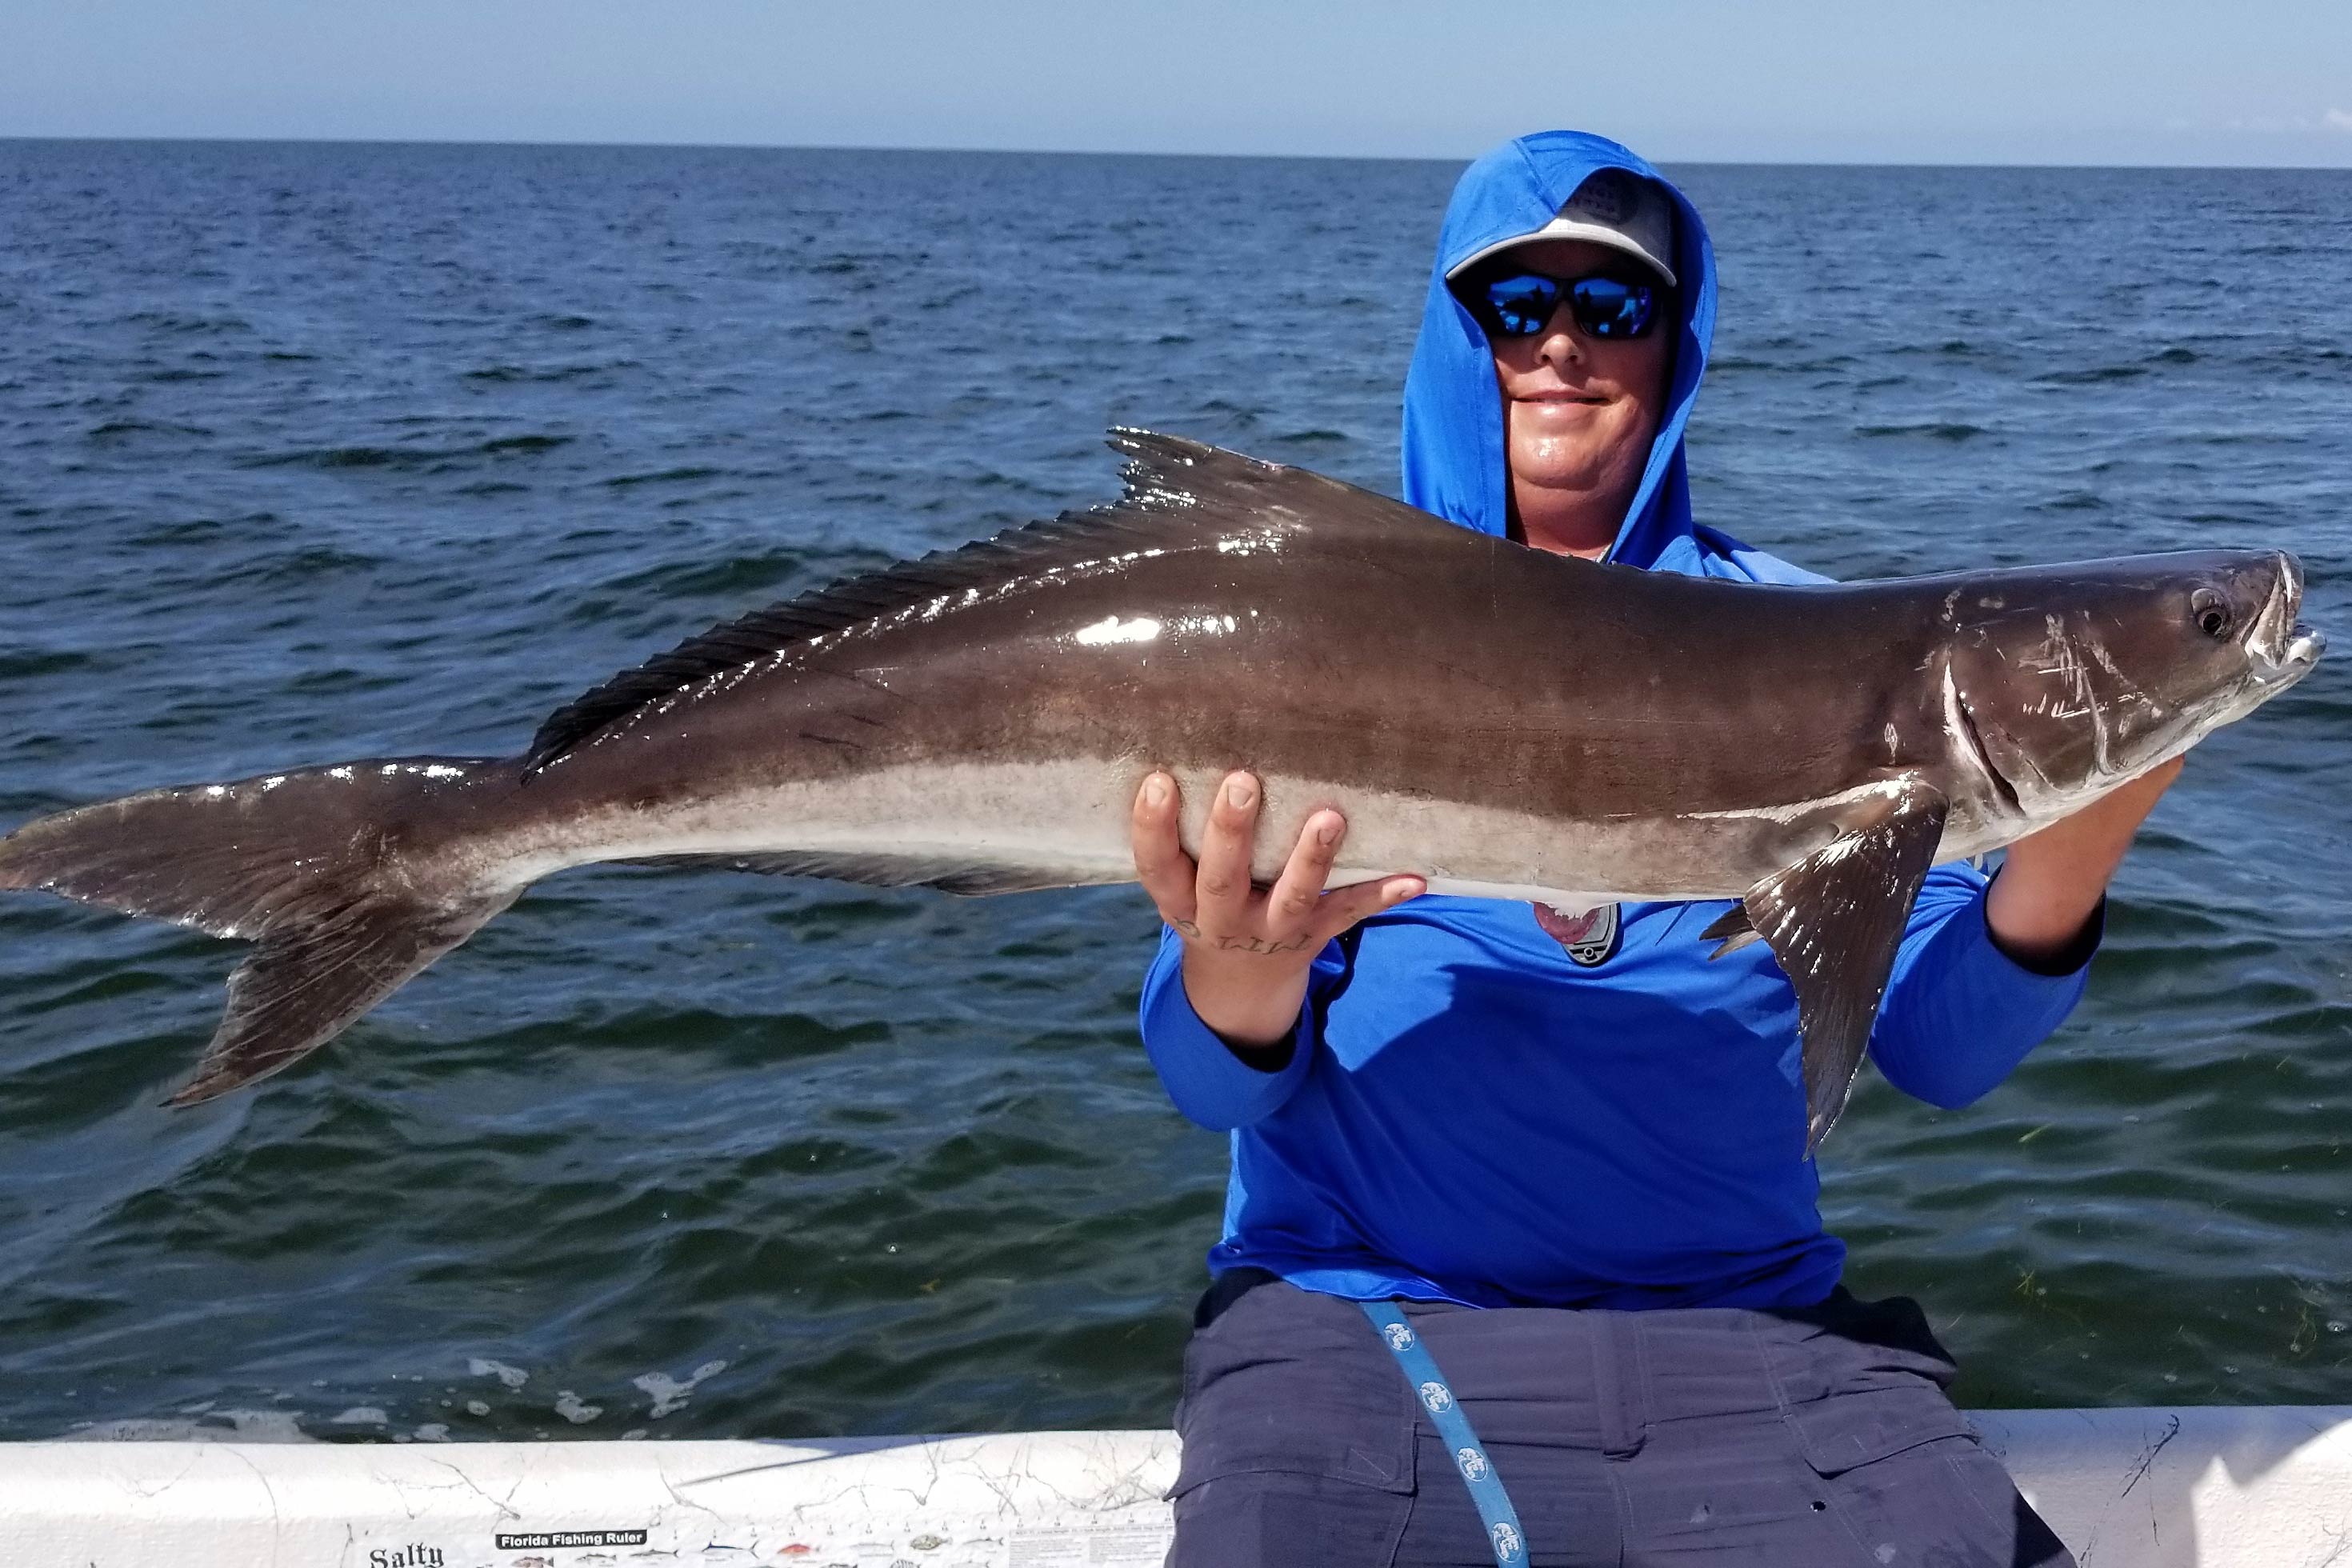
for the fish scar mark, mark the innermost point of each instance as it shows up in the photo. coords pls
(2107, 660)
(2067, 664)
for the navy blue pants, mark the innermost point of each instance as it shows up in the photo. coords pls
(1818, 1437)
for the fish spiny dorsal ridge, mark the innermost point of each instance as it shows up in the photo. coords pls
(1180, 495)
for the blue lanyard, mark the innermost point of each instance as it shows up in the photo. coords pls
(1494, 1510)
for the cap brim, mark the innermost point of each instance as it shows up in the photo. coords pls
(1571, 228)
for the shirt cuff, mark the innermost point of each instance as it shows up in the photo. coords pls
(1209, 1081)
(1960, 1014)
(2069, 960)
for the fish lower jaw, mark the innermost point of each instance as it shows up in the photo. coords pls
(2303, 647)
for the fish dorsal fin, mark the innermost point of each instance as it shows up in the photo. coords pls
(1180, 494)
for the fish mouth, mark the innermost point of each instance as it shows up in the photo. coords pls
(2303, 647)
(2284, 649)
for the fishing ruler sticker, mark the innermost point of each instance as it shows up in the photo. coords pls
(1589, 939)
(1090, 1546)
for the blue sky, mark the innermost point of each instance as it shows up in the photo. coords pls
(2061, 81)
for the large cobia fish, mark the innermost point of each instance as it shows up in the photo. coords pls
(979, 722)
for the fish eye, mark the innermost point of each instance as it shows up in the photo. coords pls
(2211, 613)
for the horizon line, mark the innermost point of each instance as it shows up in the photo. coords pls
(682, 145)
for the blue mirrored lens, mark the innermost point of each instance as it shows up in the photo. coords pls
(1521, 305)
(1610, 306)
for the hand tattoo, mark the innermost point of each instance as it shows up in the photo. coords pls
(1257, 945)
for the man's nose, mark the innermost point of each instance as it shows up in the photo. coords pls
(1560, 346)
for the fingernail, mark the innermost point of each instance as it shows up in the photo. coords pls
(1239, 793)
(1404, 888)
(1155, 791)
(1328, 834)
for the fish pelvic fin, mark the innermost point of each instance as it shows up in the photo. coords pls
(319, 867)
(1833, 920)
(1730, 932)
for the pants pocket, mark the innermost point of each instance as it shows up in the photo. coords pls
(1288, 1383)
(1911, 1483)
(1278, 1520)
(1846, 1431)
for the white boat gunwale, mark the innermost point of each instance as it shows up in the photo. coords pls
(2213, 1486)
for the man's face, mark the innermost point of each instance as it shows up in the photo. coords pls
(1579, 412)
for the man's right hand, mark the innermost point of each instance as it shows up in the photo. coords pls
(1247, 950)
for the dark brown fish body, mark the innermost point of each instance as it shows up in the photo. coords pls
(1507, 723)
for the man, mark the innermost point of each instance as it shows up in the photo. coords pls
(1561, 1157)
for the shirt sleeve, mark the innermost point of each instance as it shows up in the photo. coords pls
(1960, 1014)
(1208, 1083)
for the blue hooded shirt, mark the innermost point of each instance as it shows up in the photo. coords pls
(1474, 1111)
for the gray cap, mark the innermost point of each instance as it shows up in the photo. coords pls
(1620, 210)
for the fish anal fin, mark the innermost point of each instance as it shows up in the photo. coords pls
(1834, 920)
(962, 876)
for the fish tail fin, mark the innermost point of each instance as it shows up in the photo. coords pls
(340, 875)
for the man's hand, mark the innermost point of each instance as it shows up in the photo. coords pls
(2054, 879)
(1246, 952)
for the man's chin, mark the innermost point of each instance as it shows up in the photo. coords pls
(1575, 463)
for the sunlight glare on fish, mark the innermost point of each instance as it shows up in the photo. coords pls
(1112, 629)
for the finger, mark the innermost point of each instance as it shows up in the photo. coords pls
(1223, 889)
(1343, 907)
(1290, 907)
(1160, 863)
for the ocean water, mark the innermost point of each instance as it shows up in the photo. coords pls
(316, 451)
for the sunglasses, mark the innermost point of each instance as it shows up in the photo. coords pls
(1520, 304)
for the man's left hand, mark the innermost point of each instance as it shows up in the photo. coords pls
(2053, 880)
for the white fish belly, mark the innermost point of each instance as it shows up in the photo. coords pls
(1067, 820)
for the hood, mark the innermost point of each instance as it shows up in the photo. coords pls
(1454, 462)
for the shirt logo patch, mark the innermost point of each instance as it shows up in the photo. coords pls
(1588, 939)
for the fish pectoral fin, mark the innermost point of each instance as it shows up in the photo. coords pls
(965, 877)
(1834, 920)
